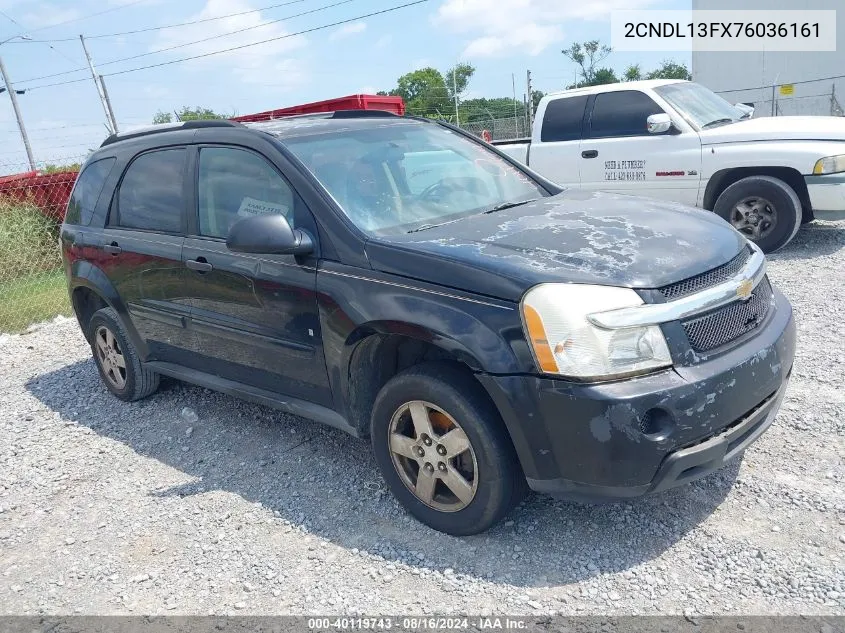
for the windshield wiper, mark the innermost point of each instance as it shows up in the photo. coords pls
(508, 205)
(717, 122)
(426, 226)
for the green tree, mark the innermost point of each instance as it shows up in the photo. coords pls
(670, 70)
(189, 114)
(588, 55)
(632, 73)
(428, 92)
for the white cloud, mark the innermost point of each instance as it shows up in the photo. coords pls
(496, 27)
(368, 90)
(384, 41)
(254, 64)
(421, 63)
(353, 28)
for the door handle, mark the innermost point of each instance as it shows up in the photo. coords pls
(113, 249)
(200, 264)
(589, 153)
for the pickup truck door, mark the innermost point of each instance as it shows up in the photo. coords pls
(618, 154)
(554, 153)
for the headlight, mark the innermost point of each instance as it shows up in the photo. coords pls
(565, 343)
(830, 165)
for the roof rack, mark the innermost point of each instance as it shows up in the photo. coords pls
(167, 127)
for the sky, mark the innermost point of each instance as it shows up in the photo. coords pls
(318, 49)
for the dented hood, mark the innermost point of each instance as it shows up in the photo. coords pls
(576, 237)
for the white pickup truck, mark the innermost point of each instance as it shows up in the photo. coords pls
(678, 141)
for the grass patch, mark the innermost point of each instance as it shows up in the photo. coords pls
(32, 299)
(32, 281)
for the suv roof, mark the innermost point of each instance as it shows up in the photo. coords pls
(278, 127)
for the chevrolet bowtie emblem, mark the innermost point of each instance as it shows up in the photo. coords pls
(743, 290)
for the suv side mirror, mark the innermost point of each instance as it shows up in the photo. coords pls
(268, 235)
(658, 123)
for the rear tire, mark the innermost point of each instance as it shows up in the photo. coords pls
(434, 432)
(117, 361)
(764, 209)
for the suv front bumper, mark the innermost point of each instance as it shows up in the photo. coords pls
(600, 441)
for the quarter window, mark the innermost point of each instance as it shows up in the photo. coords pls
(152, 196)
(86, 192)
(235, 184)
(622, 113)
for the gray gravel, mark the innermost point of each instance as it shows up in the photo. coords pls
(192, 502)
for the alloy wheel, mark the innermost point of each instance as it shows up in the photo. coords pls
(110, 357)
(433, 456)
(755, 217)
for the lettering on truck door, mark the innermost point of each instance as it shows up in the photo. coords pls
(619, 154)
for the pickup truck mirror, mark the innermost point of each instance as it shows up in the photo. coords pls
(658, 123)
(268, 235)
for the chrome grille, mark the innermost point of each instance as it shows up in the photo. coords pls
(708, 279)
(730, 322)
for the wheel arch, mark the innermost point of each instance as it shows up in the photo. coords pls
(92, 290)
(376, 351)
(724, 178)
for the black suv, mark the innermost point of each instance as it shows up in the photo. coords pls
(404, 281)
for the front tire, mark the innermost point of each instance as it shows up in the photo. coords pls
(117, 361)
(764, 209)
(443, 450)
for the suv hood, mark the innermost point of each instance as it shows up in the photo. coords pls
(794, 128)
(576, 236)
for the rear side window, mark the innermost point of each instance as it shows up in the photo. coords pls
(622, 113)
(86, 192)
(152, 196)
(562, 120)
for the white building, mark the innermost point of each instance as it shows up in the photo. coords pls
(801, 82)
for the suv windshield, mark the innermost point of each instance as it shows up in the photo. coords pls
(403, 177)
(701, 107)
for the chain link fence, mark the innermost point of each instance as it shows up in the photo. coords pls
(500, 129)
(803, 98)
(32, 205)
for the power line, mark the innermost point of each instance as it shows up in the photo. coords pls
(184, 44)
(86, 17)
(169, 26)
(794, 83)
(242, 46)
(55, 50)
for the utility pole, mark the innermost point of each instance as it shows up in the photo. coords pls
(103, 98)
(530, 100)
(108, 104)
(14, 97)
(455, 89)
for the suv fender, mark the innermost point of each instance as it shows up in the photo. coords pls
(84, 274)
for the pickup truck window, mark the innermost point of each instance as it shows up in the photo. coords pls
(621, 113)
(702, 108)
(400, 178)
(562, 120)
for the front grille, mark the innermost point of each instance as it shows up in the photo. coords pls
(706, 280)
(730, 322)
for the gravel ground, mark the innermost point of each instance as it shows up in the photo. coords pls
(192, 502)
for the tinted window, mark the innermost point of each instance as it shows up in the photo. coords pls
(87, 190)
(621, 113)
(151, 195)
(236, 184)
(562, 120)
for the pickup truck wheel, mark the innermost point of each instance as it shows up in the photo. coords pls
(443, 450)
(117, 361)
(764, 209)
